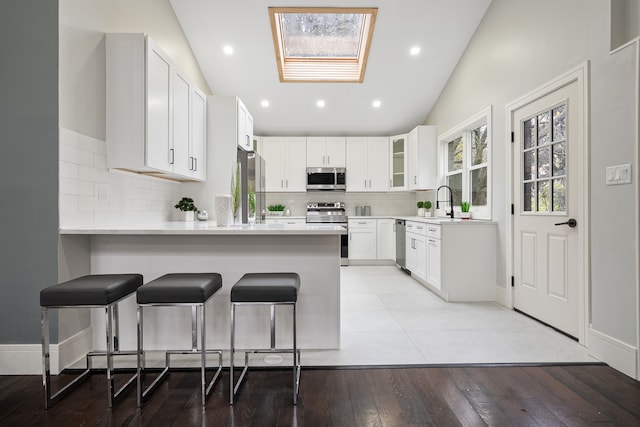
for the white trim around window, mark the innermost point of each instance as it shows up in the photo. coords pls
(464, 131)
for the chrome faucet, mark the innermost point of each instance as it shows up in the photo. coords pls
(450, 199)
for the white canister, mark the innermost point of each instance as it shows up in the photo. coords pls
(223, 209)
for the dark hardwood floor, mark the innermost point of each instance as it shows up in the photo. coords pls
(438, 396)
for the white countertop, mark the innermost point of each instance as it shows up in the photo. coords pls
(428, 220)
(207, 228)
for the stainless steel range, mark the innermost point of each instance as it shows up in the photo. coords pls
(331, 213)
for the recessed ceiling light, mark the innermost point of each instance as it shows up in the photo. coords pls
(320, 103)
(415, 50)
(377, 103)
(228, 50)
(264, 103)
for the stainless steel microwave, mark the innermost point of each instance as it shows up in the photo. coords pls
(326, 179)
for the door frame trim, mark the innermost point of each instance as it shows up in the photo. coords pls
(580, 75)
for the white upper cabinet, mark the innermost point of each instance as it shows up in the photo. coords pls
(398, 162)
(245, 127)
(286, 171)
(368, 164)
(422, 158)
(149, 112)
(197, 148)
(326, 152)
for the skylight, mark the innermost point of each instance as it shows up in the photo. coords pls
(322, 44)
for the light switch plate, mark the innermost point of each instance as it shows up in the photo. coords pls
(620, 174)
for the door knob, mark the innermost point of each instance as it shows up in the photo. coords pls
(571, 223)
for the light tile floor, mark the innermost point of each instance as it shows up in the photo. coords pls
(390, 319)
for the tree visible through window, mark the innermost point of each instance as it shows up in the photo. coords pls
(544, 178)
(466, 164)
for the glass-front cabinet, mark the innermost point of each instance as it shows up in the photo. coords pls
(398, 163)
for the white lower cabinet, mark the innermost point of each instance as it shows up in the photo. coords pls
(459, 259)
(362, 239)
(434, 256)
(385, 239)
(416, 249)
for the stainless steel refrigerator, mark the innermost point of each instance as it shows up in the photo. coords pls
(252, 181)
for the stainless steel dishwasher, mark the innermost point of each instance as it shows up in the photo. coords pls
(401, 255)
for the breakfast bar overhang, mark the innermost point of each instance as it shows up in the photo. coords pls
(312, 251)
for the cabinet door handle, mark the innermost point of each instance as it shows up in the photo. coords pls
(369, 183)
(328, 160)
(431, 241)
(248, 143)
(286, 181)
(195, 164)
(171, 156)
(323, 162)
(415, 179)
(365, 183)
(349, 235)
(420, 227)
(432, 229)
(281, 183)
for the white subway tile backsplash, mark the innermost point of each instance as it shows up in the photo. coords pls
(68, 203)
(100, 161)
(68, 170)
(68, 137)
(91, 194)
(76, 187)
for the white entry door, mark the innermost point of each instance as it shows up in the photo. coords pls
(548, 192)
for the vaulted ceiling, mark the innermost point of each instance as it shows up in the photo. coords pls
(406, 86)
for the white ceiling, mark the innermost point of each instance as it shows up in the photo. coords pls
(407, 86)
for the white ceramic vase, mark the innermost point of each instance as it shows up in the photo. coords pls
(223, 209)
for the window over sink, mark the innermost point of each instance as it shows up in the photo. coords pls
(466, 163)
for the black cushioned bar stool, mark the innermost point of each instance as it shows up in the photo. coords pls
(179, 289)
(270, 289)
(98, 290)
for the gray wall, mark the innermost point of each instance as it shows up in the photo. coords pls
(29, 174)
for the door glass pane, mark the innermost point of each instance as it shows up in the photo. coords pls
(559, 195)
(454, 155)
(529, 167)
(544, 198)
(544, 162)
(559, 159)
(455, 182)
(529, 132)
(479, 187)
(529, 195)
(560, 123)
(479, 145)
(544, 134)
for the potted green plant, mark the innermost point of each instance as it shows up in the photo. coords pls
(464, 210)
(427, 208)
(420, 208)
(187, 209)
(276, 209)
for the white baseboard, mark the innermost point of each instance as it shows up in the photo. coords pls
(501, 296)
(26, 359)
(615, 353)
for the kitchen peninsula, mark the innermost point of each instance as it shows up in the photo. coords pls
(312, 251)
